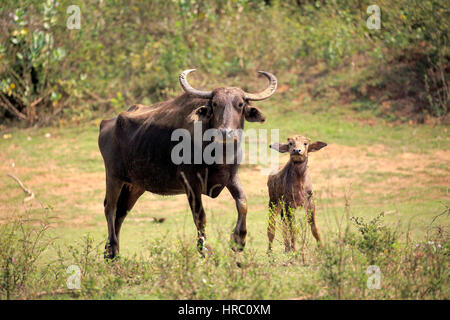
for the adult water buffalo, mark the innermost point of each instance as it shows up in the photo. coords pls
(137, 150)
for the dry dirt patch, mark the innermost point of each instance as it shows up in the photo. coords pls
(339, 168)
(334, 170)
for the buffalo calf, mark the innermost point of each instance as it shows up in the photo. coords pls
(291, 188)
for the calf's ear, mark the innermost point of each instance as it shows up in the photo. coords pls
(280, 147)
(316, 146)
(200, 114)
(253, 114)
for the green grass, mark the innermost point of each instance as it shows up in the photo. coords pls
(330, 126)
(335, 82)
(159, 260)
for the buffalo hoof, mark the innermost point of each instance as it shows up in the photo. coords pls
(203, 248)
(111, 252)
(237, 243)
(207, 251)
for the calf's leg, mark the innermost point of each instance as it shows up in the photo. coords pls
(292, 232)
(289, 232)
(274, 210)
(311, 214)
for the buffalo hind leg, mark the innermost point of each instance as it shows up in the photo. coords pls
(113, 189)
(127, 199)
(238, 237)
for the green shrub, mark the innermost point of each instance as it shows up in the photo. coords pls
(21, 246)
(406, 270)
(135, 49)
(374, 240)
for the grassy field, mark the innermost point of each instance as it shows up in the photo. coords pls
(378, 97)
(401, 171)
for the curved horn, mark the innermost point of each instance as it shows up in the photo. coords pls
(270, 90)
(187, 87)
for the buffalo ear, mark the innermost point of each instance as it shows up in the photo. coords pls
(253, 114)
(316, 146)
(280, 147)
(200, 114)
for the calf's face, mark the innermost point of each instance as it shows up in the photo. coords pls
(298, 147)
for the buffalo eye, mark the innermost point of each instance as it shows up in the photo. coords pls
(241, 104)
(214, 104)
(203, 111)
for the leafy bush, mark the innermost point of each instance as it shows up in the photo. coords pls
(134, 49)
(375, 240)
(406, 270)
(30, 59)
(21, 246)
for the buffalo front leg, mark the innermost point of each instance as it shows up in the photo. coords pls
(113, 189)
(238, 237)
(198, 213)
(311, 214)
